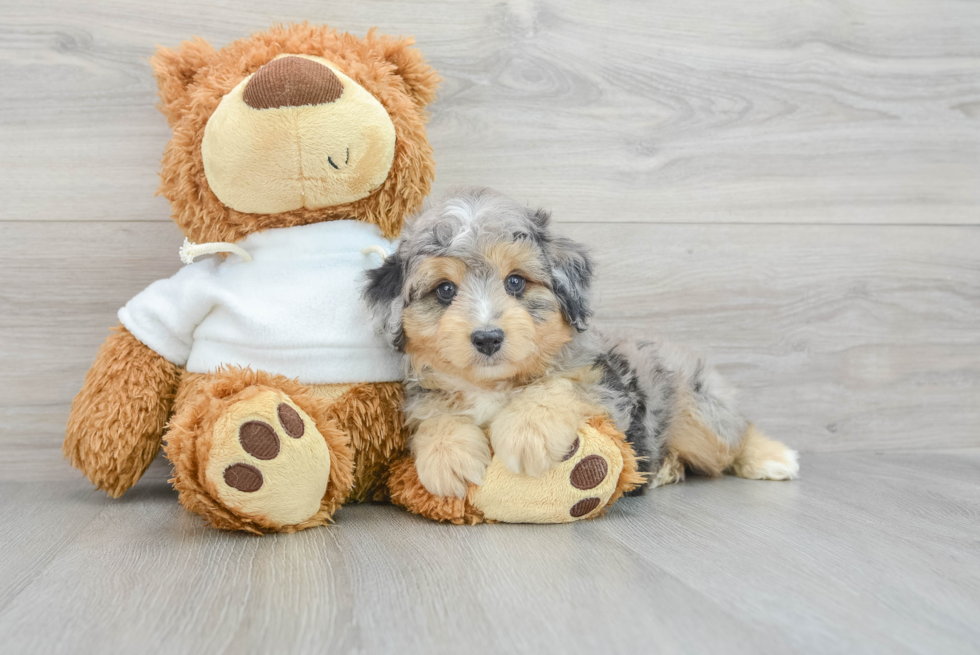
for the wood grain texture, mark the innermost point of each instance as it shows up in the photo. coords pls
(840, 337)
(864, 111)
(866, 553)
(792, 187)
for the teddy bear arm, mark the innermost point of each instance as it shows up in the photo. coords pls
(117, 420)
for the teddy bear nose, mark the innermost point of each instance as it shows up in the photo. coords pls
(292, 82)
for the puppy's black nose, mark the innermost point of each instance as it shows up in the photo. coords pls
(487, 341)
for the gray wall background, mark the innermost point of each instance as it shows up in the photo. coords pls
(793, 187)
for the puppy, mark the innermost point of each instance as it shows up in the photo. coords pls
(491, 309)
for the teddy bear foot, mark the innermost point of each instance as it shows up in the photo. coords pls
(578, 488)
(257, 452)
(268, 462)
(598, 470)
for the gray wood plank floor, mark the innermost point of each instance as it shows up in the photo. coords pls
(866, 553)
(792, 187)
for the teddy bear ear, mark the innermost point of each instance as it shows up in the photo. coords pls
(175, 70)
(420, 78)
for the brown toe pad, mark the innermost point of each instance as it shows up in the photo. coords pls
(243, 477)
(588, 473)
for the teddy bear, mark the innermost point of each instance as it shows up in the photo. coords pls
(296, 155)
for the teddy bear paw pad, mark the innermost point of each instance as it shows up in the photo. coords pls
(584, 506)
(572, 450)
(259, 440)
(589, 473)
(268, 461)
(243, 477)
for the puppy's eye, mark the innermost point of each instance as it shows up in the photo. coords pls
(515, 284)
(445, 292)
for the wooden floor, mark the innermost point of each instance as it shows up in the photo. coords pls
(792, 186)
(867, 553)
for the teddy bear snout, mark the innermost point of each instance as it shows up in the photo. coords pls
(292, 82)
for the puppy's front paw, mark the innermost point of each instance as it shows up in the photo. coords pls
(533, 439)
(449, 456)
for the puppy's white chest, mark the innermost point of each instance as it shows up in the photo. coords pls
(485, 406)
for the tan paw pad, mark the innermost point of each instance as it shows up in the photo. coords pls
(268, 461)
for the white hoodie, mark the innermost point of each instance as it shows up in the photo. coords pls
(294, 310)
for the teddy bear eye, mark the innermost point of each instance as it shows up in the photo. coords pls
(445, 292)
(515, 284)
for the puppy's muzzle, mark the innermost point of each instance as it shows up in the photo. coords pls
(487, 341)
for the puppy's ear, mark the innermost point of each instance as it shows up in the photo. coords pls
(571, 272)
(383, 294)
(541, 218)
(571, 275)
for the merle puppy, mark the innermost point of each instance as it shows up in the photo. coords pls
(491, 310)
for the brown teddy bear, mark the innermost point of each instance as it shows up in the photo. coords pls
(296, 155)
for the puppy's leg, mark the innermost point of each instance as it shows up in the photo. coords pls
(693, 442)
(450, 451)
(707, 432)
(761, 458)
(670, 471)
(537, 429)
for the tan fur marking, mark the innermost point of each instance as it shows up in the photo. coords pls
(695, 444)
(529, 347)
(520, 344)
(440, 338)
(436, 269)
(761, 458)
(445, 344)
(516, 257)
(547, 338)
